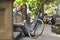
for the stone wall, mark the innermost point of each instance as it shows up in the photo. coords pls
(5, 20)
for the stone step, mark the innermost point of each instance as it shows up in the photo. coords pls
(15, 34)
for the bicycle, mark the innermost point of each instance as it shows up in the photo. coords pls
(35, 26)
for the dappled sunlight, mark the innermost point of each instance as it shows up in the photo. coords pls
(55, 35)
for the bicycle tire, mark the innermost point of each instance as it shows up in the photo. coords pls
(36, 36)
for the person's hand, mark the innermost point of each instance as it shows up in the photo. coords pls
(18, 24)
(24, 21)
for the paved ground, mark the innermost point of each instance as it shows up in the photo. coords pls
(47, 35)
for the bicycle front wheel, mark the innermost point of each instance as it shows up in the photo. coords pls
(38, 30)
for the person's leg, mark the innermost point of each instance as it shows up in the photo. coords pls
(24, 30)
(14, 28)
(53, 26)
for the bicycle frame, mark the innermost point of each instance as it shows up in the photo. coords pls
(33, 24)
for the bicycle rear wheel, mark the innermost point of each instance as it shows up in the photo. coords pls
(38, 30)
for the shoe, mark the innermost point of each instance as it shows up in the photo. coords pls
(26, 34)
